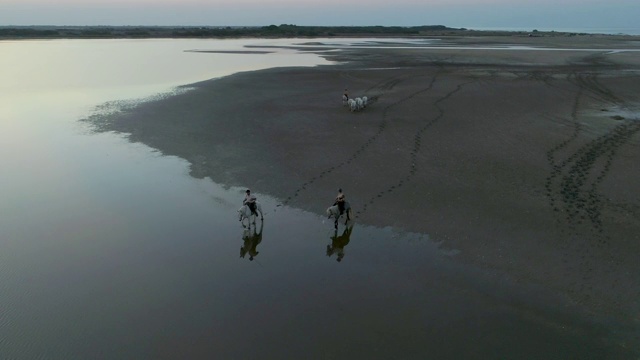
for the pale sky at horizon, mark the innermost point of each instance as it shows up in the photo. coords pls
(540, 14)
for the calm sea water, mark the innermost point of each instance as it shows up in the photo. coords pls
(109, 250)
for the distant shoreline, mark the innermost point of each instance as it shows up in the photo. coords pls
(626, 31)
(272, 31)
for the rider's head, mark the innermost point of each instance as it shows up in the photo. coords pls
(248, 191)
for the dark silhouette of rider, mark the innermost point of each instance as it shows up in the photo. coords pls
(341, 202)
(250, 201)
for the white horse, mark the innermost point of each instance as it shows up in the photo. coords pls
(364, 101)
(334, 212)
(245, 213)
(345, 100)
(359, 103)
(352, 105)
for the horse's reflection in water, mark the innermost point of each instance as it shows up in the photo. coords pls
(339, 242)
(252, 237)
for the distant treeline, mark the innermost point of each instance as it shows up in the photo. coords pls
(92, 32)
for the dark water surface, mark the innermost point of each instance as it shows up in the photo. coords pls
(178, 288)
(110, 250)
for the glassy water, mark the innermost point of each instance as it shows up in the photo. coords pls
(110, 250)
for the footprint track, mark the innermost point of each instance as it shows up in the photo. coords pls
(384, 85)
(417, 143)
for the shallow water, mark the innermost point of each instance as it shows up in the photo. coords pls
(111, 250)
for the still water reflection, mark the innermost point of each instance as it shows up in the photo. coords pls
(252, 237)
(111, 250)
(338, 243)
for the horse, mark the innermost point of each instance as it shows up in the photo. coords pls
(345, 100)
(352, 105)
(359, 103)
(245, 213)
(334, 211)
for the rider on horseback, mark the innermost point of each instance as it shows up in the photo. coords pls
(250, 201)
(340, 201)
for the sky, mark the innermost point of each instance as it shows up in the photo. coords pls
(520, 14)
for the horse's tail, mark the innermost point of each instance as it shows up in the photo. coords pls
(259, 209)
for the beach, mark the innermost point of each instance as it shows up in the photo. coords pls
(521, 162)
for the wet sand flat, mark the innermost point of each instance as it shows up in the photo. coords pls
(523, 162)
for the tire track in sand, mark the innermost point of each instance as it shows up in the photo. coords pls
(572, 189)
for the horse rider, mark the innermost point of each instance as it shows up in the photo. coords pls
(250, 201)
(340, 201)
(345, 95)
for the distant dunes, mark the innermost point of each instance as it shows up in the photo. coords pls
(281, 31)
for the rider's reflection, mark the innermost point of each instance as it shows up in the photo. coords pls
(252, 237)
(339, 242)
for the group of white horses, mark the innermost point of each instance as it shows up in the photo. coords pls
(356, 104)
(245, 213)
